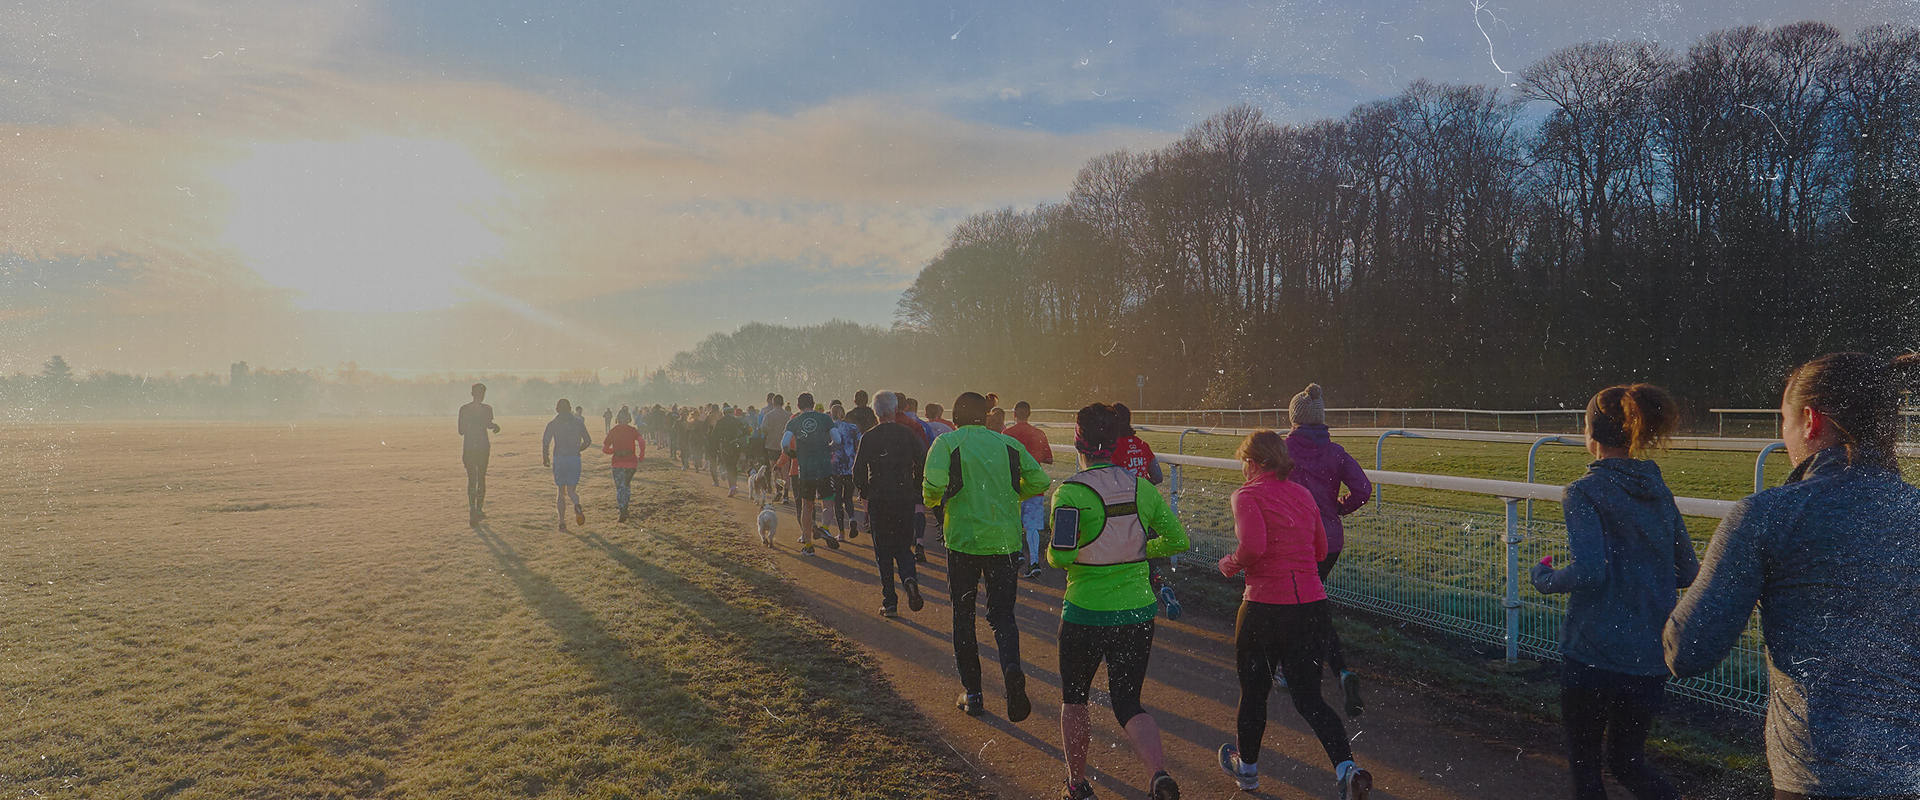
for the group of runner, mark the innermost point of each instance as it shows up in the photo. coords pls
(1832, 559)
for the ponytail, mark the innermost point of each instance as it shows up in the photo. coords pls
(1637, 418)
(1861, 396)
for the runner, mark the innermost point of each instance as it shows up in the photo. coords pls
(476, 419)
(1831, 558)
(860, 414)
(887, 471)
(1323, 467)
(773, 426)
(1283, 613)
(623, 442)
(1630, 553)
(606, 418)
(729, 436)
(1108, 611)
(846, 445)
(1132, 453)
(909, 420)
(809, 439)
(936, 426)
(1033, 510)
(568, 437)
(997, 420)
(979, 478)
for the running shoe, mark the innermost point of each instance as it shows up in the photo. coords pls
(832, 540)
(852, 532)
(1018, 706)
(1350, 684)
(914, 600)
(1247, 775)
(1172, 604)
(1356, 784)
(1279, 678)
(973, 704)
(1078, 790)
(807, 550)
(1163, 787)
(889, 612)
(1033, 571)
(579, 517)
(563, 527)
(623, 515)
(919, 552)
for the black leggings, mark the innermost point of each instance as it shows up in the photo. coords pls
(1125, 649)
(1293, 637)
(1607, 715)
(1336, 660)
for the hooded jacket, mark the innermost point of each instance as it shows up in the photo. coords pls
(1322, 466)
(1833, 560)
(1631, 555)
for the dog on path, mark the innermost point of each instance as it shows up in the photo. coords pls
(769, 523)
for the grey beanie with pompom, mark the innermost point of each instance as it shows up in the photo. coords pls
(1307, 408)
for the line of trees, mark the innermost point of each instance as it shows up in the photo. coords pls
(1701, 219)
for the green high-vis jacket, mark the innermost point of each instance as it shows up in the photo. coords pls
(983, 511)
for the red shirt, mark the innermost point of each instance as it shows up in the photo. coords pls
(626, 447)
(1133, 455)
(1034, 439)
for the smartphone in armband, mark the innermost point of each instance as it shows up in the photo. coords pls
(1066, 527)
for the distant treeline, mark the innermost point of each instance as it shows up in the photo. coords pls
(56, 393)
(1702, 219)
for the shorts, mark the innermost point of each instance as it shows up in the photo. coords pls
(1033, 513)
(566, 471)
(812, 488)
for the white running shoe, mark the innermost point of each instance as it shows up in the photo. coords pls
(1247, 775)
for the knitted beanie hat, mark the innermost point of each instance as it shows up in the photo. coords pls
(1307, 408)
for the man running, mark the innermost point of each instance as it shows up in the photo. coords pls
(1033, 510)
(861, 415)
(476, 419)
(888, 471)
(846, 446)
(606, 421)
(980, 477)
(809, 436)
(568, 436)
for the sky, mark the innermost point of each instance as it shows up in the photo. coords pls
(501, 186)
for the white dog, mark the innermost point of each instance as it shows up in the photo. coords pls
(758, 486)
(769, 523)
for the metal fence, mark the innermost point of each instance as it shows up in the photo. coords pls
(1454, 571)
(1558, 420)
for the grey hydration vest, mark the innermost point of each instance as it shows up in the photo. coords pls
(1123, 540)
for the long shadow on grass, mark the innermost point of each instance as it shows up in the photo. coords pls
(638, 686)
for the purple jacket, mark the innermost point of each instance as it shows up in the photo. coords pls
(1322, 466)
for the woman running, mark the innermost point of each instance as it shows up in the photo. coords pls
(1283, 614)
(1108, 611)
(623, 442)
(1631, 554)
(1833, 560)
(1323, 466)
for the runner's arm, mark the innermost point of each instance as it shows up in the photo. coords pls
(1359, 488)
(1158, 516)
(1587, 543)
(1033, 480)
(1250, 533)
(1710, 617)
(1079, 497)
(933, 488)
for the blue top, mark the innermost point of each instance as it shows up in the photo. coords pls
(1833, 560)
(567, 434)
(1631, 555)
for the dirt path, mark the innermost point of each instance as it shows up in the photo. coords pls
(1191, 691)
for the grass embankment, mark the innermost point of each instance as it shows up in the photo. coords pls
(184, 620)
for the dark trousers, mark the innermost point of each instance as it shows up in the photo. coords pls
(965, 573)
(1292, 637)
(1336, 660)
(891, 522)
(1124, 648)
(1609, 713)
(476, 461)
(843, 502)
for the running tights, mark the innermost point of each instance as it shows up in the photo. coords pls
(1336, 660)
(1123, 647)
(966, 572)
(1609, 713)
(1293, 637)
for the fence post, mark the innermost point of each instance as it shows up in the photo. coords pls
(1513, 580)
(1760, 465)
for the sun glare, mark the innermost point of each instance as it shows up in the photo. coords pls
(378, 224)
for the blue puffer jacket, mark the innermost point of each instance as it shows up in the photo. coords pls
(1631, 555)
